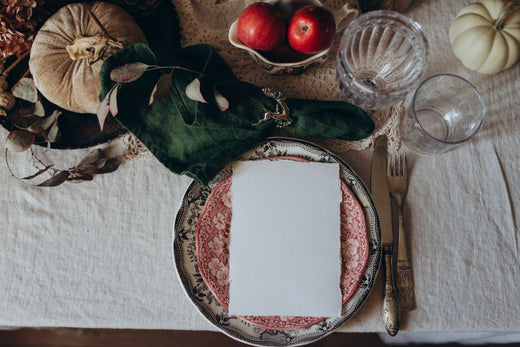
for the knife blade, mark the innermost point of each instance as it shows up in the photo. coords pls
(381, 197)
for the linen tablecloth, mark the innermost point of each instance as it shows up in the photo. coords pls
(98, 254)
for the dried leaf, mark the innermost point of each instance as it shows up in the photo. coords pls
(112, 102)
(25, 109)
(81, 178)
(38, 109)
(91, 158)
(193, 91)
(54, 133)
(222, 102)
(25, 89)
(111, 165)
(19, 140)
(43, 123)
(103, 111)
(162, 87)
(55, 180)
(128, 72)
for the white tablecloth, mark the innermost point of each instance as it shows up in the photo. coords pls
(98, 254)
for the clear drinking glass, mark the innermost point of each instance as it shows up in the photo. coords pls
(381, 58)
(217, 14)
(446, 110)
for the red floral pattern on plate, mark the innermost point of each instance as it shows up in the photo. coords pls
(212, 242)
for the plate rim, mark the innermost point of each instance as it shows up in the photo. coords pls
(375, 250)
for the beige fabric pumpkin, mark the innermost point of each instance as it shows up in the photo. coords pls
(70, 48)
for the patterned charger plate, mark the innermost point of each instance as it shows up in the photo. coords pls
(212, 241)
(269, 333)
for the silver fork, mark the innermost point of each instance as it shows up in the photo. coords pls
(398, 185)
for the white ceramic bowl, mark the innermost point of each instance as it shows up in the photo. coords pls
(342, 16)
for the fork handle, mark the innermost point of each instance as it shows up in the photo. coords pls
(404, 275)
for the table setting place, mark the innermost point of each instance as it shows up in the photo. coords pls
(310, 167)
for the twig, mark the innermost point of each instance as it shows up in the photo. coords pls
(110, 40)
(26, 73)
(13, 65)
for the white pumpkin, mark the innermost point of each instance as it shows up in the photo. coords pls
(485, 35)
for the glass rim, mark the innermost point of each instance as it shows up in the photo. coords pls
(416, 29)
(475, 90)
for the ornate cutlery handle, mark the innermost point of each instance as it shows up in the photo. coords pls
(404, 274)
(391, 314)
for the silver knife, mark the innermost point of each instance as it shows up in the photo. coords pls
(381, 197)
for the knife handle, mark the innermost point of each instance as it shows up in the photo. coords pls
(391, 314)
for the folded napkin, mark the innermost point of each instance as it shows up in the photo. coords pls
(198, 139)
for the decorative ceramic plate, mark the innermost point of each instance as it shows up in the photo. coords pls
(212, 241)
(185, 252)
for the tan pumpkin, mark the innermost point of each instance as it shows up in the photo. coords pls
(485, 35)
(70, 48)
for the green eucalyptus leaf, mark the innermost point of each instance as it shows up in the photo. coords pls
(25, 89)
(128, 72)
(55, 180)
(19, 140)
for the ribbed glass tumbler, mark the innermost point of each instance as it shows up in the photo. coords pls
(381, 58)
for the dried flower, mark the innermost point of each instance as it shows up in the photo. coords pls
(17, 26)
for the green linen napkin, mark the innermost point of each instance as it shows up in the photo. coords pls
(197, 139)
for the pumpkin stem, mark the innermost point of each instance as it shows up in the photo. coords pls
(498, 24)
(92, 47)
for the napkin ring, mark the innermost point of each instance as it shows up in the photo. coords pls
(281, 113)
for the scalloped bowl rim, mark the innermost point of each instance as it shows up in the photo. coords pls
(235, 41)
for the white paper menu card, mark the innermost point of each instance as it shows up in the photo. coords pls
(285, 256)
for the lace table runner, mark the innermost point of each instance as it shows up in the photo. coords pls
(317, 82)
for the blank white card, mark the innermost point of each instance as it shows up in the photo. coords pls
(285, 256)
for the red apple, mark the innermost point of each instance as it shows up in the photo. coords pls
(261, 26)
(311, 30)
